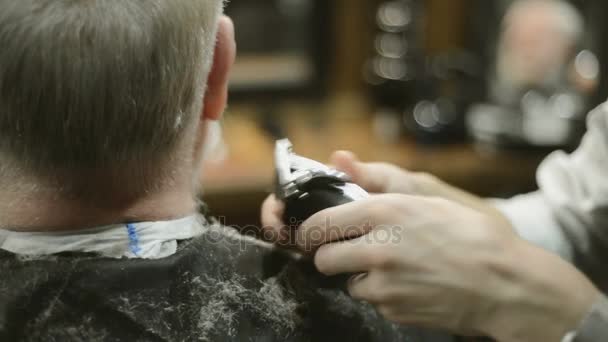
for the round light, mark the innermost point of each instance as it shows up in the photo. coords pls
(391, 45)
(426, 114)
(394, 16)
(390, 68)
(587, 65)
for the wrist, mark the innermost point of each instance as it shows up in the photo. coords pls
(429, 185)
(542, 297)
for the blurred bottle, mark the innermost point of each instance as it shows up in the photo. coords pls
(393, 68)
(423, 96)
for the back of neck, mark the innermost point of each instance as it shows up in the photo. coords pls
(35, 207)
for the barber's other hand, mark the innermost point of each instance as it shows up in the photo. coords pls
(432, 262)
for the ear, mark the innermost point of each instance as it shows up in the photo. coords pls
(216, 96)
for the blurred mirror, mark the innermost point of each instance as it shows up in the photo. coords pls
(542, 78)
(280, 45)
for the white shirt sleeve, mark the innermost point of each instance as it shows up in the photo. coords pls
(534, 220)
(568, 215)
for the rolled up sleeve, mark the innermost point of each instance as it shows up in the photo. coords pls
(568, 215)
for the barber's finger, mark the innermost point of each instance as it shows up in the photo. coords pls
(369, 287)
(343, 222)
(344, 257)
(273, 228)
(373, 177)
(346, 162)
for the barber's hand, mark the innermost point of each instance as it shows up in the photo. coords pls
(432, 262)
(376, 178)
(373, 177)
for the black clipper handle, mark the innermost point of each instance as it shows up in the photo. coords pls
(318, 194)
(307, 187)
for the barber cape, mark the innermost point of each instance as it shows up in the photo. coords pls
(185, 280)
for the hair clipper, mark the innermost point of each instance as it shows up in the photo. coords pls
(306, 186)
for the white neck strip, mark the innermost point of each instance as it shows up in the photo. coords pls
(145, 240)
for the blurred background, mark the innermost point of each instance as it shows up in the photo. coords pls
(477, 92)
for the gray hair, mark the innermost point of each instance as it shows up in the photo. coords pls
(86, 85)
(568, 20)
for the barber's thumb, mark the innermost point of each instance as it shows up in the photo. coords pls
(373, 177)
(348, 163)
(358, 171)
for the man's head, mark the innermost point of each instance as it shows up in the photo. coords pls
(539, 36)
(109, 88)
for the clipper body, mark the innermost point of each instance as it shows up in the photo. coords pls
(307, 186)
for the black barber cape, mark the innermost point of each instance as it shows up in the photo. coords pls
(218, 287)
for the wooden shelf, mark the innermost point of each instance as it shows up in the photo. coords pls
(235, 186)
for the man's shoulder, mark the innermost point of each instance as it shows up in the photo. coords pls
(218, 286)
(285, 295)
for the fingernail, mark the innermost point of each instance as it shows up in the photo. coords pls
(356, 278)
